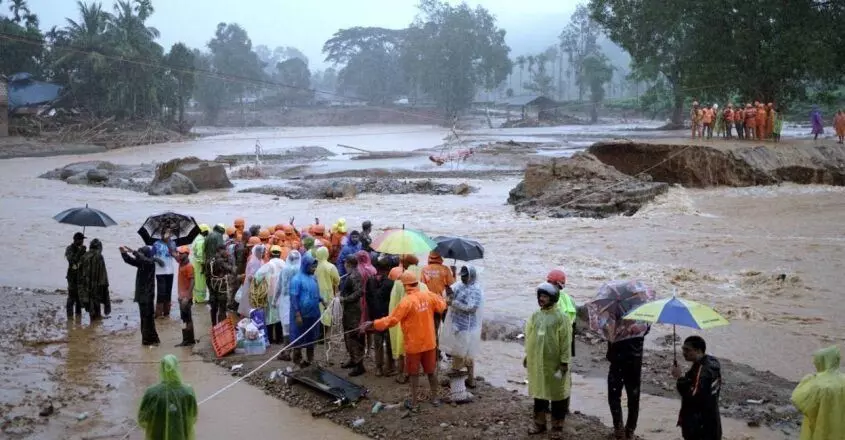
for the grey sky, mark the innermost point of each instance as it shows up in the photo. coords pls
(532, 25)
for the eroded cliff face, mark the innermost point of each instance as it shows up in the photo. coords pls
(704, 166)
(581, 186)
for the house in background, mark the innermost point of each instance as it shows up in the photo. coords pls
(538, 108)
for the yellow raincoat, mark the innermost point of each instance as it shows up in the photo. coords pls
(821, 398)
(197, 258)
(328, 279)
(168, 410)
(567, 306)
(548, 340)
(397, 340)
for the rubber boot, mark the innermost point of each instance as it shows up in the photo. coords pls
(539, 424)
(357, 370)
(470, 382)
(187, 338)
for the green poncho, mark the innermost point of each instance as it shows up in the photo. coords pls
(821, 398)
(548, 341)
(168, 410)
(198, 261)
(567, 306)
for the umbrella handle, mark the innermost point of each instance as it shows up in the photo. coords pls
(674, 345)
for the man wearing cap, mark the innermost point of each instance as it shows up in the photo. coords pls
(415, 313)
(73, 254)
(548, 335)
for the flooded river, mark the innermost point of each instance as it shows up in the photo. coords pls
(724, 247)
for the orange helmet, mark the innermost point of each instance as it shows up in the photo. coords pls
(557, 277)
(264, 234)
(288, 229)
(253, 241)
(279, 235)
(280, 226)
(239, 223)
(318, 230)
(271, 229)
(230, 231)
(408, 278)
(184, 249)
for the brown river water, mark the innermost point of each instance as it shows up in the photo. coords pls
(724, 247)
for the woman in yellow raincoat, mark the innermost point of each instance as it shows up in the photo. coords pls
(168, 410)
(198, 261)
(548, 337)
(821, 398)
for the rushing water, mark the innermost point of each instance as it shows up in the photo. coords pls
(724, 247)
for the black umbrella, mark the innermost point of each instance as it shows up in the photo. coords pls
(183, 229)
(84, 217)
(458, 248)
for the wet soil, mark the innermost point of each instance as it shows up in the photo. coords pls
(11, 147)
(409, 174)
(757, 397)
(347, 188)
(727, 163)
(495, 413)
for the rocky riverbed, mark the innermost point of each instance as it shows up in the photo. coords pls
(340, 188)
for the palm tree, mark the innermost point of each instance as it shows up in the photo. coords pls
(87, 63)
(531, 61)
(520, 61)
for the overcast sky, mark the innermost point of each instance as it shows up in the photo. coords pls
(532, 25)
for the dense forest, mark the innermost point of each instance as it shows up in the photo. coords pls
(449, 56)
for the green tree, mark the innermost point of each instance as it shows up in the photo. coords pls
(459, 50)
(232, 55)
(596, 72)
(373, 62)
(541, 82)
(181, 63)
(295, 78)
(579, 40)
(520, 61)
(22, 49)
(210, 92)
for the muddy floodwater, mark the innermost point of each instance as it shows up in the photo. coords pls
(725, 247)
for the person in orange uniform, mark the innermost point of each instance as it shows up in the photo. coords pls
(319, 233)
(415, 313)
(739, 122)
(292, 237)
(770, 120)
(337, 236)
(707, 116)
(839, 126)
(437, 277)
(240, 225)
(762, 118)
(728, 121)
(750, 122)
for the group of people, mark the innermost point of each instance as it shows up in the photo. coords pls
(757, 121)
(408, 314)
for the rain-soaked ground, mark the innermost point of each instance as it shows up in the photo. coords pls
(725, 247)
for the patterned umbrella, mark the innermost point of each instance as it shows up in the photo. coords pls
(677, 311)
(183, 229)
(612, 302)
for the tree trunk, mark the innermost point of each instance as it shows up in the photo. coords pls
(594, 113)
(243, 111)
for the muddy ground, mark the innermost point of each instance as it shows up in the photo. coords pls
(495, 413)
(741, 384)
(344, 188)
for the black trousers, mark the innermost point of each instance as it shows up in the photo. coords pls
(558, 408)
(149, 335)
(740, 130)
(74, 307)
(185, 306)
(628, 375)
(275, 333)
(164, 288)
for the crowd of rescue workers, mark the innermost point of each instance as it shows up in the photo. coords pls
(408, 316)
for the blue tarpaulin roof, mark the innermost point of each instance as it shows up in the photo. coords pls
(24, 91)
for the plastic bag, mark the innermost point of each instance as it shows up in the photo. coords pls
(239, 295)
(461, 343)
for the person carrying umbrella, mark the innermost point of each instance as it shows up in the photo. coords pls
(144, 259)
(699, 388)
(548, 336)
(94, 282)
(73, 255)
(165, 251)
(821, 398)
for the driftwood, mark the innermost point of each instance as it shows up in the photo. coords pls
(355, 148)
